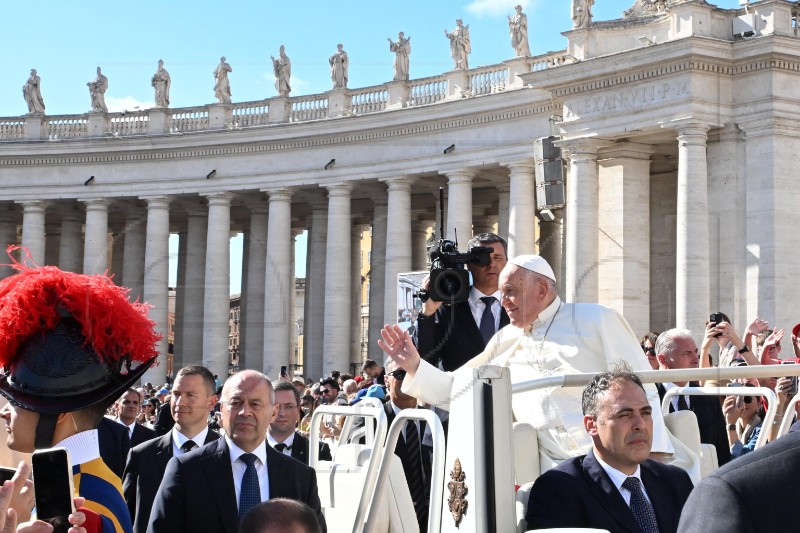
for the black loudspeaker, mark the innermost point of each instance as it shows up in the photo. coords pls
(549, 174)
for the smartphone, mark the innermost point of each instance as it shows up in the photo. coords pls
(6, 474)
(284, 371)
(793, 389)
(716, 319)
(739, 402)
(52, 483)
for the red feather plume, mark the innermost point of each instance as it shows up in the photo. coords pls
(112, 325)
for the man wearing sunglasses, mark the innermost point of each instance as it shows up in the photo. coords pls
(675, 349)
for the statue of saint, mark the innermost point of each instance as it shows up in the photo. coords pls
(283, 72)
(222, 87)
(339, 66)
(460, 47)
(97, 90)
(581, 13)
(161, 83)
(518, 28)
(401, 48)
(33, 94)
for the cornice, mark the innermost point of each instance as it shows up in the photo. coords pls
(150, 152)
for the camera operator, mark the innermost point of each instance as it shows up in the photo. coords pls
(452, 335)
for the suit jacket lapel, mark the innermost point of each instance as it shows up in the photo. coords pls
(279, 477)
(217, 464)
(660, 497)
(164, 451)
(464, 316)
(608, 495)
(300, 448)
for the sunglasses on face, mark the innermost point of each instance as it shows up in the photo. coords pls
(325, 391)
(648, 349)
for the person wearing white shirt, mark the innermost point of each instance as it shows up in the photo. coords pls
(615, 486)
(546, 337)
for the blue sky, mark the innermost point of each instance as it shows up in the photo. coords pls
(66, 41)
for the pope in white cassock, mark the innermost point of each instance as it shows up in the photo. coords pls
(546, 337)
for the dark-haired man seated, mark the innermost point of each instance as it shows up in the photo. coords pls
(615, 486)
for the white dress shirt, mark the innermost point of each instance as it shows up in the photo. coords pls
(179, 439)
(238, 466)
(477, 306)
(618, 478)
(674, 400)
(289, 442)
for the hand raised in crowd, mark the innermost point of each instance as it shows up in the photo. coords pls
(22, 500)
(727, 331)
(76, 519)
(782, 389)
(398, 345)
(770, 352)
(757, 326)
(730, 410)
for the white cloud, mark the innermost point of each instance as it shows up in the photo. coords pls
(495, 8)
(126, 103)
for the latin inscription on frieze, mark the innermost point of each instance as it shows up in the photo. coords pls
(626, 100)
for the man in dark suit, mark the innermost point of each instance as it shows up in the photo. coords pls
(748, 495)
(603, 489)
(115, 444)
(192, 399)
(675, 348)
(283, 435)
(128, 407)
(211, 488)
(412, 449)
(452, 335)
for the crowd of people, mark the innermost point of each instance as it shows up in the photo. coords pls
(197, 454)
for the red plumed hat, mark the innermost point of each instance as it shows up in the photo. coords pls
(68, 341)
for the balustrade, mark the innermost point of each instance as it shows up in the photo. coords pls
(312, 107)
(188, 119)
(66, 126)
(488, 80)
(247, 114)
(12, 128)
(122, 124)
(369, 100)
(427, 91)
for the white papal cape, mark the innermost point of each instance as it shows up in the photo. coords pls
(564, 339)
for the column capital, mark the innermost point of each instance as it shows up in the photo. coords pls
(692, 132)
(523, 165)
(583, 148)
(157, 202)
(627, 150)
(318, 205)
(219, 198)
(257, 209)
(461, 175)
(279, 194)
(95, 204)
(400, 183)
(341, 189)
(34, 206)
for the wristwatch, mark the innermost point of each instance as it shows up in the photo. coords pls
(744, 349)
(731, 427)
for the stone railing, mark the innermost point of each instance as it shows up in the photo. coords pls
(453, 85)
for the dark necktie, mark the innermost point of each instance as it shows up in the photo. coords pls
(250, 495)
(188, 446)
(683, 405)
(487, 319)
(281, 446)
(641, 507)
(414, 474)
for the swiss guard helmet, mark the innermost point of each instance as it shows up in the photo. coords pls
(69, 341)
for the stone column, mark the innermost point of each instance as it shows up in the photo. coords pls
(52, 243)
(337, 281)
(293, 314)
(624, 246)
(377, 276)
(419, 244)
(156, 279)
(521, 208)
(459, 205)
(314, 320)
(355, 305)
(582, 213)
(503, 202)
(178, 352)
(691, 243)
(398, 242)
(134, 251)
(251, 354)
(195, 288)
(551, 247)
(33, 237)
(279, 283)
(95, 250)
(217, 298)
(116, 240)
(8, 235)
(70, 253)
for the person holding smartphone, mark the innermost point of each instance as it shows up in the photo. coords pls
(70, 344)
